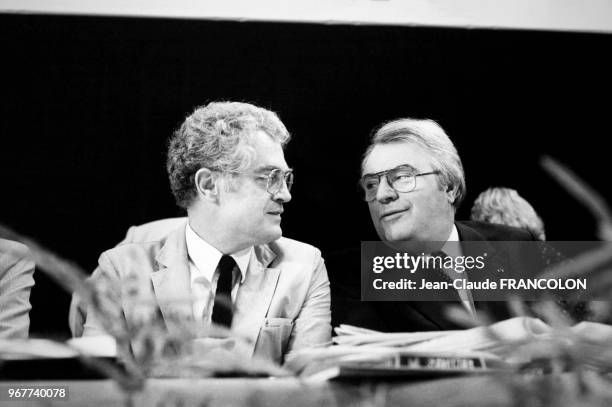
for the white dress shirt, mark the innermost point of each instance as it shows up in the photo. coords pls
(454, 250)
(203, 261)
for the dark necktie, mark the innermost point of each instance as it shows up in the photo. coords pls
(222, 309)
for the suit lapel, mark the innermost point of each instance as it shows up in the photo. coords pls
(468, 234)
(171, 282)
(436, 311)
(255, 295)
(172, 287)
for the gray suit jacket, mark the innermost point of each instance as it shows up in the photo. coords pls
(283, 304)
(16, 281)
(148, 232)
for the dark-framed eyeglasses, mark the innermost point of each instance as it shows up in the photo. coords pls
(275, 179)
(401, 178)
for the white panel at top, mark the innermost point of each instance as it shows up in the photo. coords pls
(564, 15)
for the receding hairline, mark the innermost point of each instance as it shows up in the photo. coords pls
(416, 142)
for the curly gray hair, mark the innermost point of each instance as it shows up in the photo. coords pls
(217, 136)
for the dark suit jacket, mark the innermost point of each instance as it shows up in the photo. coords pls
(405, 316)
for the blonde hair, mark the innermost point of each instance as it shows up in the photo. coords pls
(505, 206)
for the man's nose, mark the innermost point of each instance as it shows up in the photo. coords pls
(385, 192)
(282, 194)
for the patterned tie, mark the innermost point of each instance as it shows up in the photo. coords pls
(222, 309)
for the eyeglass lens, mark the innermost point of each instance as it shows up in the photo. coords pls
(276, 180)
(401, 179)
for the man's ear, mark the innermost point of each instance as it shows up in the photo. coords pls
(206, 184)
(451, 193)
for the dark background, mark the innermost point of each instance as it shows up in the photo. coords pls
(88, 104)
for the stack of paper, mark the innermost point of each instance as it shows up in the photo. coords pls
(354, 336)
(495, 338)
(362, 352)
(486, 338)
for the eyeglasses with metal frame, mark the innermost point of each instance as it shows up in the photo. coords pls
(401, 178)
(275, 178)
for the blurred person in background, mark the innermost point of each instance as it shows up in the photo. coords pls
(504, 206)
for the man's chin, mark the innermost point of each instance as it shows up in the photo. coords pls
(272, 235)
(396, 234)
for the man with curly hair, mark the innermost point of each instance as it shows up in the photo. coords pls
(227, 169)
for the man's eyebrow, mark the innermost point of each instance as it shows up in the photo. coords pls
(369, 174)
(267, 168)
(409, 167)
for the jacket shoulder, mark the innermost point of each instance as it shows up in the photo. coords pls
(141, 255)
(153, 231)
(475, 230)
(15, 249)
(288, 249)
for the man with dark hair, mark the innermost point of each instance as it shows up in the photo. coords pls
(227, 169)
(413, 182)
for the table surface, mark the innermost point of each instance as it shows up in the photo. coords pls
(456, 391)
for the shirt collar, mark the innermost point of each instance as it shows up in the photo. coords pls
(206, 257)
(452, 249)
(454, 234)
